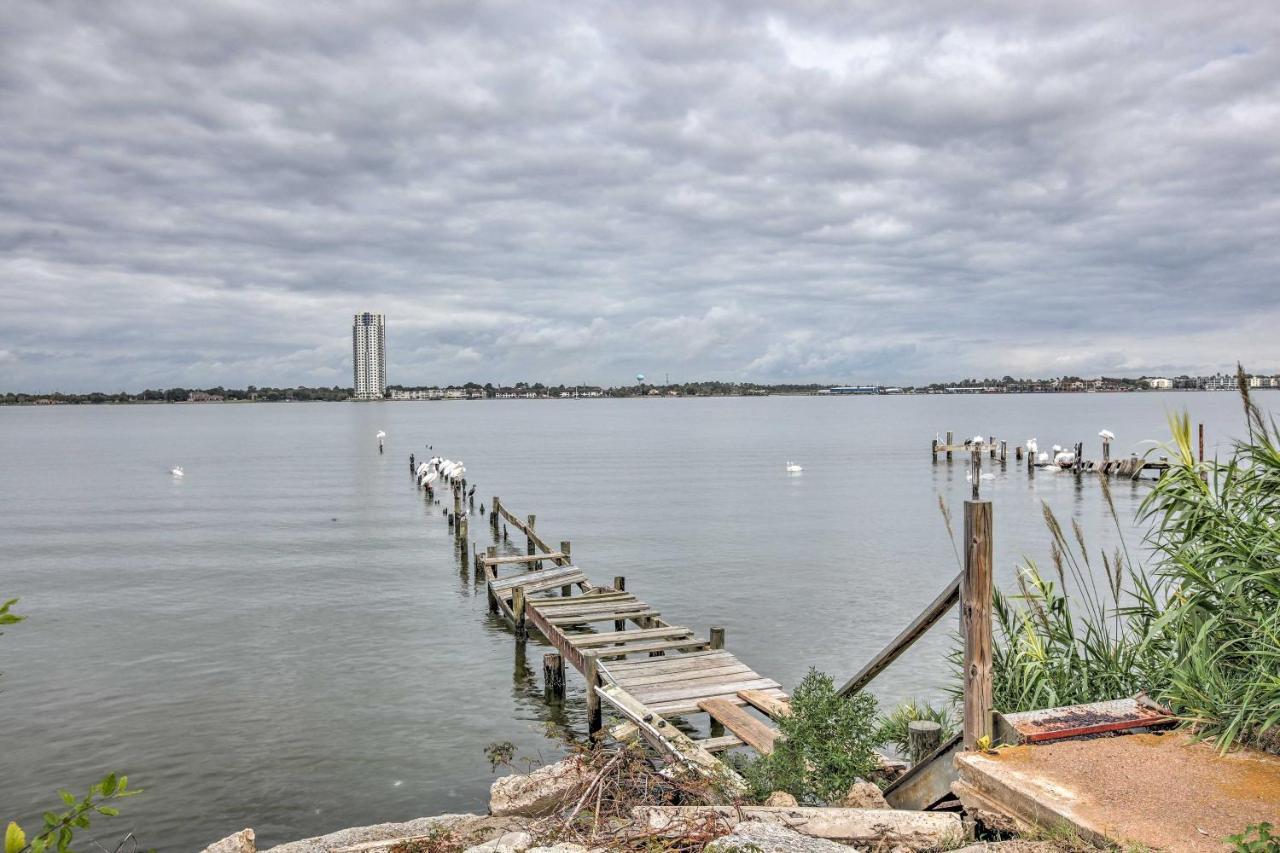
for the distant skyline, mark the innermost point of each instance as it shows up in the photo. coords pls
(202, 194)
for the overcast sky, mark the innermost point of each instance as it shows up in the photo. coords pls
(201, 193)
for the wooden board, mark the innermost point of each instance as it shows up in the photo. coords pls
(667, 739)
(585, 598)
(657, 646)
(690, 660)
(719, 744)
(751, 731)
(526, 579)
(545, 584)
(634, 682)
(686, 706)
(699, 689)
(772, 705)
(520, 558)
(607, 638)
(929, 781)
(602, 616)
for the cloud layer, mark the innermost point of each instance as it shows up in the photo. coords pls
(200, 193)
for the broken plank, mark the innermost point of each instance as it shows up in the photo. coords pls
(583, 641)
(752, 732)
(691, 660)
(633, 682)
(585, 598)
(719, 744)
(532, 577)
(928, 781)
(520, 558)
(699, 690)
(776, 707)
(602, 616)
(686, 706)
(619, 651)
(669, 740)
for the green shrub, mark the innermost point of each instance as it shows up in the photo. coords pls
(828, 744)
(1257, 838)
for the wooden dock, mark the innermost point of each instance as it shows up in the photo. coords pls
(632, 659)
(974, 450)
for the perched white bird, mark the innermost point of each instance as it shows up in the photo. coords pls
(977, 439)
(430, 478)
(1032, 446)
(177, 471)
(1064, 458)
(1107, 434)
(1042, 458)
(381, 434)
(793, 468)
(1057, 448)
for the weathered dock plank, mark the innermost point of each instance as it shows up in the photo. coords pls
(752, 732)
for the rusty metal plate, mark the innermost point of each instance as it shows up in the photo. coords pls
(1077, 720)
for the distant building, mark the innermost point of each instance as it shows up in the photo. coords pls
(854, 389)
(369, 355)
(1158, 383)
(1219, 382)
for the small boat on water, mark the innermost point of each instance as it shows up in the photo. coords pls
(793, 468)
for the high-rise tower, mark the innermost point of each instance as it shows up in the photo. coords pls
(369, 355)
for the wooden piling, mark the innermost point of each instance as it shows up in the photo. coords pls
(923, 737)
(975, 470)
(457, 510)
(991, 445)
(553, 675)
(620, 584)
(565, 546)
(592, 673)
(529, 547)
(1004, 452)
(491, 551)
(934, 450)
(975, 602)
(949, 436)
(717, 637)
(493, 514)
(1017, 453)
(1106, 451)
(1201, 432)
(517, 613)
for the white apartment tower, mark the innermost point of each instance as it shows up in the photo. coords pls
(369, 355)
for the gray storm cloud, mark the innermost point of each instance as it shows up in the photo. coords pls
(200, 193)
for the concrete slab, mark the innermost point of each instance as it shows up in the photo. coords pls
(1161, 791)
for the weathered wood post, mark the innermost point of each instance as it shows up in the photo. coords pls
(517, 613)
(491, 551)
(1017, 453)
(553, 675)
(529, 521)
(934, 449)
(1004, 452)
(949, 434)
(620, 584)
(975, 469)
(457, 510)
(1079, 461)
(991, 445)
(717, 637)
(976, 587)
(1201, 431)
(494, 515)
(1106, 450)
(595, 719)
(565, 546)
(923, 737)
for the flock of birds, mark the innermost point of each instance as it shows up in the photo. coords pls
(435, 468)
(1058, 456)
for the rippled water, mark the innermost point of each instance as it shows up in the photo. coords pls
(283, 639)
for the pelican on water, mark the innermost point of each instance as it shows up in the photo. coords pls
(1032, 446)
(1107, 434)
(177, 471)
(793, 468)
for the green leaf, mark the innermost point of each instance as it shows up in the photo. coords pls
(51, 820)
(109, 811)
(124, 783)
(109, 783)
(67, 797)
(14, 838)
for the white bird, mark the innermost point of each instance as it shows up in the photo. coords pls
(458, 470)
(381, 434)
(1032, 446)
(1042, 458)
(793, 468)
(977, 439)
(1107, 434)
(1064, 458)
(177, 471)
(429, 478)
(1057, 448)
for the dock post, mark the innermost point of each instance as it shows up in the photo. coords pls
(934, 449)
(517, 613)
(1106, 450)
(592, 673)
(1201, 431)
(493, 514)
(949, 445)
(529, 520)
(1079, 466)
(1004, 452)
(717, 637)
(976, 586)
(553, 675)
(991, 444)
(620, 584)
(491, 551)
(975, 470)
(565, 546)
(924, 736)
(1017, 453)
(457, 510)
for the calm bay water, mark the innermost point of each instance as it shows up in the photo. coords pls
(283, 639)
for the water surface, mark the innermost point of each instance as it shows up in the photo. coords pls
(283, 639)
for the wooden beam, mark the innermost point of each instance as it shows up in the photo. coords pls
(522, 558)
(668, 740)
(921, 624)
(774, 706)
(975, 594)
(752, 732)
(928, 782)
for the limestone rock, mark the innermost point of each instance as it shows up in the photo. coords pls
(762, 837)
(864, 795)
(539, 792)
(781, 798)
(241, 842)
(507, 842)
(563, 847)
(378, 832)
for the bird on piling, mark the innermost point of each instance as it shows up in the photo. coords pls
(1107, 434)
(1032, 446)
